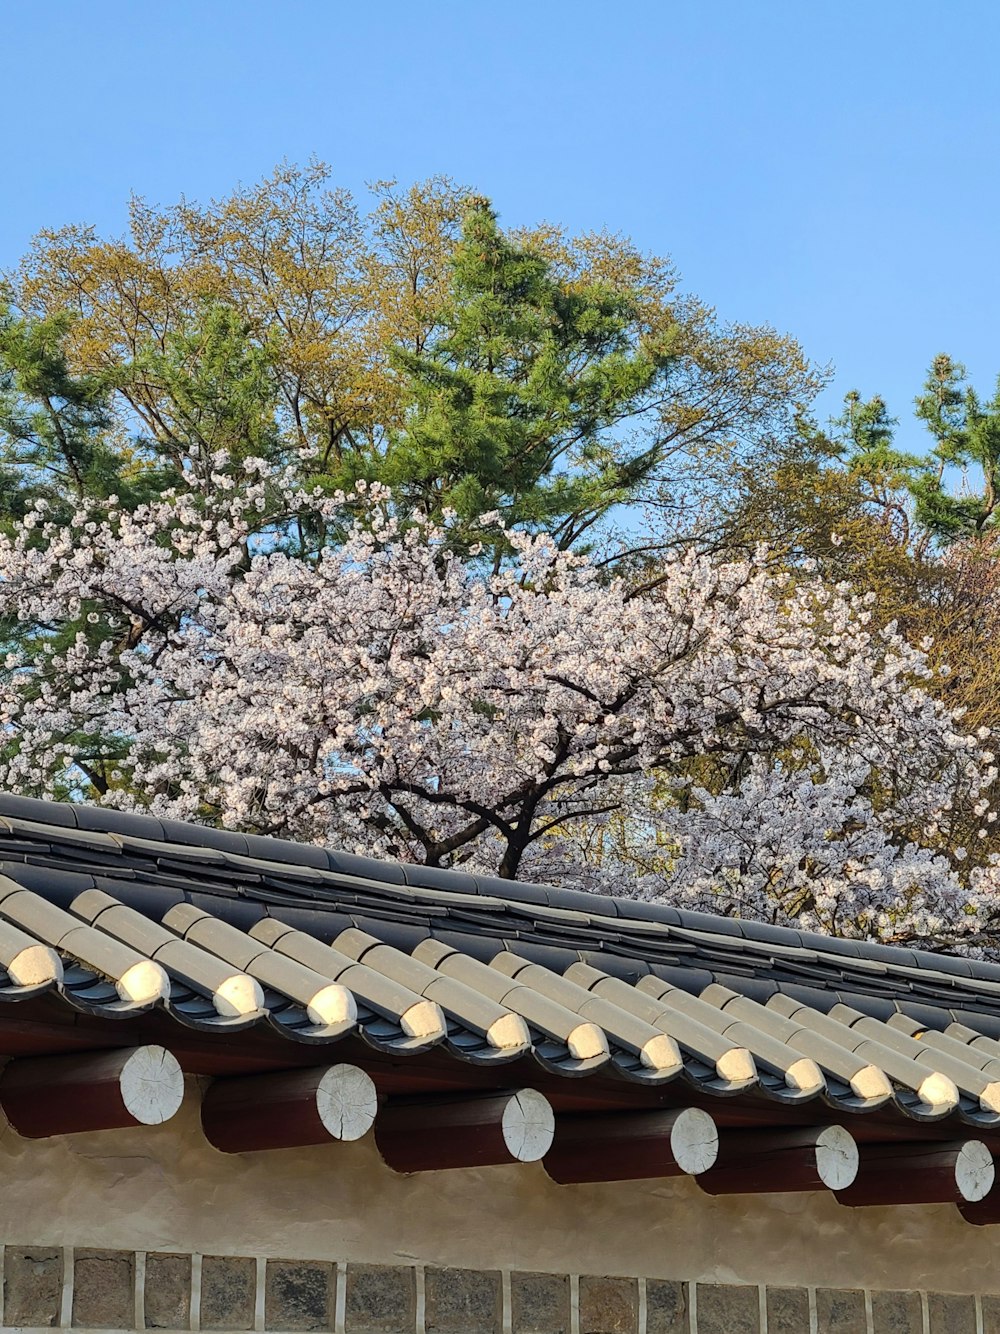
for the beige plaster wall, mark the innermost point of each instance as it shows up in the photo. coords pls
(166, 1189)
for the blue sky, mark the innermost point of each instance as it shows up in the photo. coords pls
(828, 167)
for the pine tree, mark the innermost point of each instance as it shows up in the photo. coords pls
(52, 423)
(966, 435)
(514, 404)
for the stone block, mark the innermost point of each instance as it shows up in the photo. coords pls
(609, 1305)
(381, 1299)
(32, 1285)
(991, 1314)
(841, 1311)
(725, 1308)
(299, 1294)
(951, 1313)
(666, 1307)
(787, 1310)
(462, 1301)
(168, 1291)
(103, 1289)
(539, 1303)
(897, 1313)
(228, 1292)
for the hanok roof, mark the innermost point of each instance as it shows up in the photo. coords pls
(192, 934)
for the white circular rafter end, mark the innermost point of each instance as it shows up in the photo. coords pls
(837, 1158)
(974, 1170)
(529, 1125)
(694, 1141)
(347, 1102)
(152, 1085)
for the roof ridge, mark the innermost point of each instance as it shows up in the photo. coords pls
(454, 886)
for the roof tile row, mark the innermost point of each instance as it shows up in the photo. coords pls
(123, 913)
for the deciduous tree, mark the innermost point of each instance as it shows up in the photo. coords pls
(387, 694)
(419, 344)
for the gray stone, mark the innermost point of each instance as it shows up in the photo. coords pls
(462, 1301)
(991, 1315)
(228, 1292)
(32, 1285)
(299, 1294)
(539, 1303)
(103, 1289)
(951, 1314)
(666, 1307)
(168, 1291)
(609, 1305)
(725, 1308)
(787, 1310)
(840, 1311)
(897, 1313)
(381, 1299)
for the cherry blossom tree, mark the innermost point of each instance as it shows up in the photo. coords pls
(770, 753)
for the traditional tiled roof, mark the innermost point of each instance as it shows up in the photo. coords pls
(120, 915)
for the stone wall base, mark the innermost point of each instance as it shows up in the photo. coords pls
(46, 1287)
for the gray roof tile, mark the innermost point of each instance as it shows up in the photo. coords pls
(213, 907)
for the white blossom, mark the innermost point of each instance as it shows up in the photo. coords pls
(383, 696)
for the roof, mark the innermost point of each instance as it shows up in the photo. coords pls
(210, 933)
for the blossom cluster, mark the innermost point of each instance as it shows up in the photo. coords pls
(767, 751)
